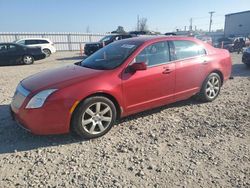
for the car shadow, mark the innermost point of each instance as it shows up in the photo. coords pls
(14, 139)
(189, 102)
(240, 70)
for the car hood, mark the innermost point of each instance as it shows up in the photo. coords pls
(58, 78)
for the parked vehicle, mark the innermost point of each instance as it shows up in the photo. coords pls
(46, 45)
(224, 42)
(92, 47)
(204, 38)
(123, 78)
(12, 53)
(246, 57)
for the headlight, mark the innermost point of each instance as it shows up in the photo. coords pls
(38, 100)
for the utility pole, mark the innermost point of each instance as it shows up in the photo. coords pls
(138, 22)
(191, 24)
(211, 20)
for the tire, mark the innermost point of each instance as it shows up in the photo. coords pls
(28, 59)
(47, 52)
(89, 122)
(211, 88)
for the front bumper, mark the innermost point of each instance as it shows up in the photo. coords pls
(52, 118)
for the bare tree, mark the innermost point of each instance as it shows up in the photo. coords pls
(143, 24)
(87, 29)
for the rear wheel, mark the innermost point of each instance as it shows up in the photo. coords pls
(94, 117)
(210, 88)
(47, 52)
(28, 59)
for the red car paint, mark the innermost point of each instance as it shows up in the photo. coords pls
(177, 80)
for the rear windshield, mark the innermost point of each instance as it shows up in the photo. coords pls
(111, 56)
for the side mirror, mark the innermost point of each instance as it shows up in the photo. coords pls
(138, 66)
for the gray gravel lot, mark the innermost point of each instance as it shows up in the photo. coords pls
(186, 144)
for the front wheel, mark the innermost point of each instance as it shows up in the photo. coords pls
(94, 117)
(28, 59)
(210, 88)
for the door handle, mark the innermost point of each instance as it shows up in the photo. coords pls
(204, 62)
(167, 71)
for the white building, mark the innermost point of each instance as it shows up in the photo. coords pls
(237, 24)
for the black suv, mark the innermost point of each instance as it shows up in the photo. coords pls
(92, 47)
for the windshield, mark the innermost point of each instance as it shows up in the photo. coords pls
(110, 56)
(104, 39)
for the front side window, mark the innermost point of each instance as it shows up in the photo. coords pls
(21, 42)
(187, 49)
(155, 54)
(111, 56)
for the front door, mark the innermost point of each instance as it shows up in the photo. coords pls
(152, 87)
(4, 59)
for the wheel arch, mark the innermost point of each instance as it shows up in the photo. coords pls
(219, 73)
(103, 94)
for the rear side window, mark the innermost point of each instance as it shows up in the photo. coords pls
(155, 54)
(43, 41)
(187, 49)
(30, 42)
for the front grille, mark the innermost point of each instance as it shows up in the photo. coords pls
(19, 96)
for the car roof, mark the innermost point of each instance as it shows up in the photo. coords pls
(143, 39)
(34, 39)
(7, 43)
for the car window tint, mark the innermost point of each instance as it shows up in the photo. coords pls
(43, 42)
(154, 54)
(3, 48)
(12, 48)
(186, 49)
(30, 42)
(21, 42)
(126, 36)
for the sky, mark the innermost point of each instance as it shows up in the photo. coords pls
(102, 16)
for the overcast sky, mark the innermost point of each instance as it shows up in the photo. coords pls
(105, 15)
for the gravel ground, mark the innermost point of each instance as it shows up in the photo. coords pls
(186, 144)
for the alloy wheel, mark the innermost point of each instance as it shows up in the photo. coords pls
(213, 87)
(97, 118)
(27, 59)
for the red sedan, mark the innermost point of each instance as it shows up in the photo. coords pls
(124, 78)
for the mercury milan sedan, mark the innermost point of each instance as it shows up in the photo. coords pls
(123, 78)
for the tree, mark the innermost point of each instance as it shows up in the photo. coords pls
(120, 30)
(143, 24)
(87, 29)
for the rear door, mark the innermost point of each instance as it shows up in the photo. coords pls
(191, 61)
(152, 87)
